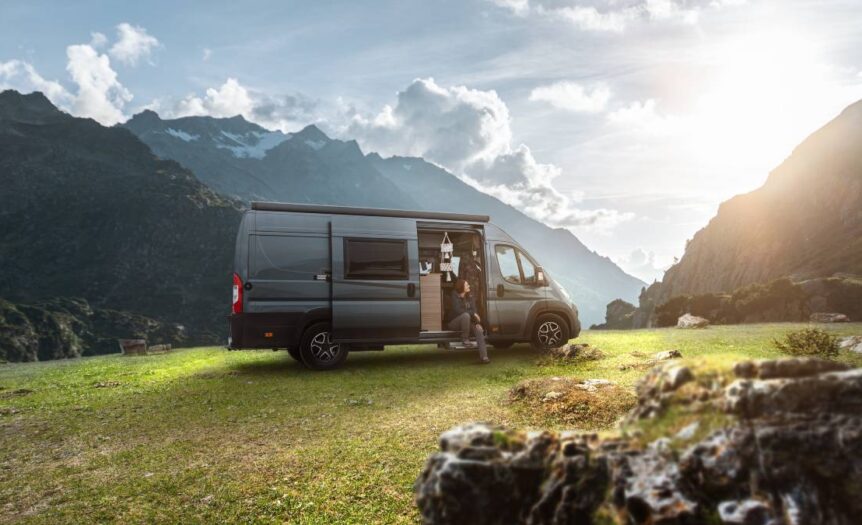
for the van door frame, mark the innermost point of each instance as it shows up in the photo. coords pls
(478, 229)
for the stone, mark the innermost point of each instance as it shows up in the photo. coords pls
(667, 355)
(551, 396)
(852, 343)
(788, 451)
(744, 512)
(691, 321)
(828, 317)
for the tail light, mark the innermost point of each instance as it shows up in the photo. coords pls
(236, 306)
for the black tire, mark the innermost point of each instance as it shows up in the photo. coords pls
(550, 331)
(317, 352)
(502, 345)
(294, 353)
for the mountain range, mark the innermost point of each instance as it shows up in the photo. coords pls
(243, 160)
(90, 212)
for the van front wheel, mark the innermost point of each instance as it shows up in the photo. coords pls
(318, 352)
(550, 331)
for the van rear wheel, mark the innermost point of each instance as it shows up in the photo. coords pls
(318, 352)
(550, 331)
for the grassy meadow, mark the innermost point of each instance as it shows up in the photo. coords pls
(207, 435)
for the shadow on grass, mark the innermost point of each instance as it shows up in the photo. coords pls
(387, 360)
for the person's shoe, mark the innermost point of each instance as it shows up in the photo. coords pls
(484, 361)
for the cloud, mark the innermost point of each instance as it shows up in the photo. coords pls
(452, 126)
(133, 44)
(284, 112)
(207, 54)
(23, 77)
(644, 264)
(573, 97)
(611, 16)
(230, 99)
(100, 95)
(644, 117)
(98, 40)
(469, 132)
(518, 180)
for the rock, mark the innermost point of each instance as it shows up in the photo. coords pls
(852, 343)
(691, 321)
(656, 389)
(787, 450)
(667, 355)
(581, 351)
(745, 512)
(791, 367)
(824, 317)
(551, 396)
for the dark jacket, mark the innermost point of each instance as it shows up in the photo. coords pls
(460, 305)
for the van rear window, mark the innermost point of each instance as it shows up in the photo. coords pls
(373, 259)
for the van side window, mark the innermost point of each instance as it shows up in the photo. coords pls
(508, 262)
(280, 257)
(528, 268)
(375, 259)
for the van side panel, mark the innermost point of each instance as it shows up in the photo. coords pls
(286, 285)
(374, 308)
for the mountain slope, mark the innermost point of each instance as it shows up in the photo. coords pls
(593, 280)
(89, 211)
(308, 166)
(804, 222)
(241, 159)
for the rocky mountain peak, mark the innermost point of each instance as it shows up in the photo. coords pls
(32, 107)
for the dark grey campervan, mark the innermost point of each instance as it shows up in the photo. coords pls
(324, 280)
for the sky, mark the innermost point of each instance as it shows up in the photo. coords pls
(626, 121)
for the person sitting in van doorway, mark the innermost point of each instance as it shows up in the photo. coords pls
(465, 319)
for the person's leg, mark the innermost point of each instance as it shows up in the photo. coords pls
(479, 332)
(462, 324)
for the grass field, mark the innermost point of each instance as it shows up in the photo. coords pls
(209, 435)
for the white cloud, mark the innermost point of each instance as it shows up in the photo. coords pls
(207, 54)
(100, 95)
(573, 97)
(23, 77)
(452, 126)
(518, 7)
(468, 132)
(284, 112)
(611, 16)
(644, 117)
(230, 99)
(133, 44)
(644, 264)
(98, 40)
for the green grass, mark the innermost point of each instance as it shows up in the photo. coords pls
(208, 435)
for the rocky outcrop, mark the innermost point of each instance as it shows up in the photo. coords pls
(620, 315)
(691, 321)
(63, 328)
(803, 223)
(775, 442)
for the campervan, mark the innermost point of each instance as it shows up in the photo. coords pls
(324, 281)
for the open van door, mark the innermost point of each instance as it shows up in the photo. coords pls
(375, 279)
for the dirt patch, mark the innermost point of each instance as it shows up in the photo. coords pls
(587, 404)
(216, 374)
(18, 392)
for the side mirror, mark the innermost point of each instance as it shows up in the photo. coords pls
(541, 280)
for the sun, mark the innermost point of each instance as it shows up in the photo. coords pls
(768, 93)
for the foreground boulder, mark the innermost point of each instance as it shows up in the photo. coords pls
(852, 343)
(691, 321)
(774, 442)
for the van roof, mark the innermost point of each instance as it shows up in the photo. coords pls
(375, 212)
